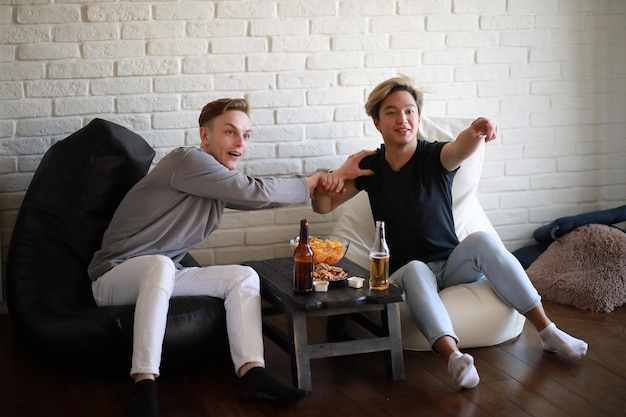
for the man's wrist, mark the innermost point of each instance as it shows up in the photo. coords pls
(317, 171)
(477, 119)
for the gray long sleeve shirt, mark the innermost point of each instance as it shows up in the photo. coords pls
(180, 202)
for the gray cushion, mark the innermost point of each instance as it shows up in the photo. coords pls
(587, 269)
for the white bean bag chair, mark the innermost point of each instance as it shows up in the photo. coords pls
(479, 317)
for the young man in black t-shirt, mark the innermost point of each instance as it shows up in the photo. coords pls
(411, 191)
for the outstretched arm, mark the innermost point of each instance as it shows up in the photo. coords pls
(454, 153)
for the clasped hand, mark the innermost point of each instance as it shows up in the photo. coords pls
(333, 182)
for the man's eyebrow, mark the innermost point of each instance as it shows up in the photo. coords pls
(236, 128)
(391, 106)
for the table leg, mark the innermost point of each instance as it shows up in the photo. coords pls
(396, 358)
(300, 353)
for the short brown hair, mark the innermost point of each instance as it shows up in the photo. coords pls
(382, 90)
(218, 107)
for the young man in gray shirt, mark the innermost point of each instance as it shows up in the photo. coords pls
(176, 206)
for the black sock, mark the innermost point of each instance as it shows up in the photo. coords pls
(145, 400)
(257, 385)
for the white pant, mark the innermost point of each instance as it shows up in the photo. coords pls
(150, 281)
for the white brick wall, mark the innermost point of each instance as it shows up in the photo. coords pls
(552, 73)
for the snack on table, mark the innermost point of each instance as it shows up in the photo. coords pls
(324, 272)
(327, 250)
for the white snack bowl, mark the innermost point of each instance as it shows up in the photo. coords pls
(356, 282)
(320, 286)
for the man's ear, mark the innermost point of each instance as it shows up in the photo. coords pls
(376, 124)
(205, 135)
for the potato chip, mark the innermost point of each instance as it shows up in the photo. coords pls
(326, 250)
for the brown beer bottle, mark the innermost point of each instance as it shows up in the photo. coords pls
(303, 262)
(379, 260)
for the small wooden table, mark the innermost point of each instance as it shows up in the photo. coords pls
(277, 289)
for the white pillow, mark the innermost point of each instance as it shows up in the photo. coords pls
(479, 317)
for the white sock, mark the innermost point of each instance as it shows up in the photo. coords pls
(461, 368)
(554, 339)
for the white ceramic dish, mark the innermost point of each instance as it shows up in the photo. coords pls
(356, 282)
(320, 286)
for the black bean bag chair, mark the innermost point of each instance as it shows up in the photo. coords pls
(68, 205)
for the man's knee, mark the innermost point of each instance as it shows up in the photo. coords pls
(413, 273)
(242, 277)
(248, 277)
(160, 272)
(482, 239)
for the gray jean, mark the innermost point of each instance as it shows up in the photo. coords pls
(478, 256)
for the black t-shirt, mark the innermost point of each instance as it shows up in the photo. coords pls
(415, 203)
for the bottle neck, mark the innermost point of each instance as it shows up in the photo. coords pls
(304, 231)
(380, 243)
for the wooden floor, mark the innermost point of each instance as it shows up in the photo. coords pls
(517, 379)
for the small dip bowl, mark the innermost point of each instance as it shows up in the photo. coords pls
(320, 286)
(356, 282)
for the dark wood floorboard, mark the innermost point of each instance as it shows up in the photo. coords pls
(517, 379)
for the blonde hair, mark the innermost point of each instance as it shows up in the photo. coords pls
(382, 90)
(218, 107)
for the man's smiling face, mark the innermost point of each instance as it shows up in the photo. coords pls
(398, 118)
(227, 137)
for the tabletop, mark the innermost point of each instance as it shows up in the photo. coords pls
(276, 283)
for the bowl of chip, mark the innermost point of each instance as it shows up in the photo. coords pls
(327, 249)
